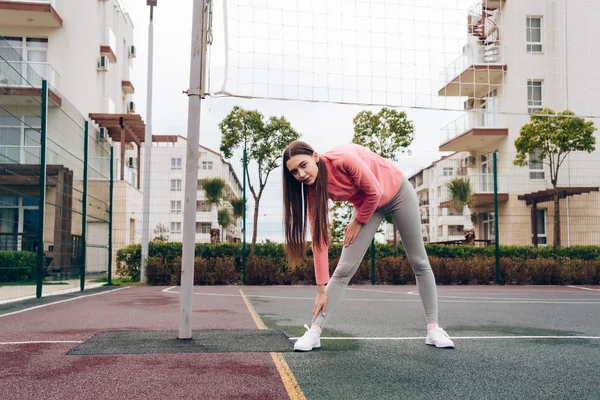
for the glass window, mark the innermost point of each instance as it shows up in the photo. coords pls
(536, 166)
(534, 34)
(176, 185)
(534, 96)
(176, 163)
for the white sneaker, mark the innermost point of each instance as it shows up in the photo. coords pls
(310, 340)
(439, 338)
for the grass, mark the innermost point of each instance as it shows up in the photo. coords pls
(118, 282)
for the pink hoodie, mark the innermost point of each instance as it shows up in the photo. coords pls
(361, 177)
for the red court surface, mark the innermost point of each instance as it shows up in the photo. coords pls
(34, 363)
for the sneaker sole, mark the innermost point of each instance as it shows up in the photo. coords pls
(439, 347)
(315, 347)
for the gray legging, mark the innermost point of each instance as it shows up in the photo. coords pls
(404, 208)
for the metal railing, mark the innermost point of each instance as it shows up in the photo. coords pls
(472, 55)
(468, 121)
(21, 73)
(24, 155)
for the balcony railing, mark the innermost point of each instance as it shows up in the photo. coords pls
(469, 121)
(51, 2)
(21, 73)
(481, 183)
(24, 155)
(472, 55)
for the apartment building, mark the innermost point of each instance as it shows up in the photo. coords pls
(85, 51)
(167, 190)
(521, 56)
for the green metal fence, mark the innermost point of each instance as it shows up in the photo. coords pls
(54, 185)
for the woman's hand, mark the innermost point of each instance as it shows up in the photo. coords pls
(351, 231)
(320, 304)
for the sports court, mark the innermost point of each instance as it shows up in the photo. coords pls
(511, 342)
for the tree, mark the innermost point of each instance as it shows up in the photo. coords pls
(238, 208)
(386, 133)
(548, 139)
(460, 197)
(162, 233)
(265, 142)
(224, 220)
(213, 190)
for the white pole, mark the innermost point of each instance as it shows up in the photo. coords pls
(191, 174)
(147, 150)
(566, 108)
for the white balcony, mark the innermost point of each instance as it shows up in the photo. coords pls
(482, 190)
(474, 73)
(19, 79)
(25, 155)
(30, 13)
(474, 130)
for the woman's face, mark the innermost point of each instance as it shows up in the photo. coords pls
(304, 167)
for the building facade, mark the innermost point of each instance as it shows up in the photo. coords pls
(167, 191)
(521, 56)
(85, 51)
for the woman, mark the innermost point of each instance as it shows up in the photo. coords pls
(376, 188)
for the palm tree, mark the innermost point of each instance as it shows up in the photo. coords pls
(238, 208)
(213, 190)
(460, 196)
(224, 220)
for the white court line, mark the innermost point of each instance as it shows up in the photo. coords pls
(58, 292)
(167, 290)
(473, 300)
(468, 296)
(61, 301)
(456, 337)
(584, 288)
(44, 341)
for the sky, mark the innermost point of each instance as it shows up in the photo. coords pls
(433, 32)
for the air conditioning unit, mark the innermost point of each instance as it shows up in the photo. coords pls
(132, 162)
(103, 63)
(102, 135)
(132, 51)
(131, 107)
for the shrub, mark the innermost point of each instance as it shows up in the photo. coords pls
(17, 266)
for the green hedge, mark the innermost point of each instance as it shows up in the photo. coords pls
(17, 266)
(221, 264)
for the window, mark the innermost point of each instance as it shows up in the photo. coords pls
(176, 206)
(453, 211)
(19, 223)
(35, 52)
(448, 171)
(541, 227)
(534, 34)
(202, 227)
(175, 227)
(203, 206)
(175, 185)
(455, 230)
(488, 226)
(536, 166)
(20, 140)
(534, 96)
(176, 163)
(207, 165)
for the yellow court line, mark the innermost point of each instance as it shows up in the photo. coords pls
(287, 377)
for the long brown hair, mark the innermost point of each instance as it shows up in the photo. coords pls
(295, 201)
